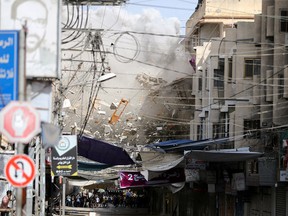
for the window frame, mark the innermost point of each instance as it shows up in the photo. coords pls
(254, 65)
(283, 22)
(251, 128)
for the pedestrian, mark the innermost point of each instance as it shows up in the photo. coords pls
(5, 202)
(98, 201)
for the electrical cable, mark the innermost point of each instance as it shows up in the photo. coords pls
(124, 59)
(67, 20)
(78, 23)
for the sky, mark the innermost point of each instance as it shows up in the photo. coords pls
(182, 9)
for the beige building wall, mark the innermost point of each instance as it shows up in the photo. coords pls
(280, 103)
(212, 16)
(226, 44)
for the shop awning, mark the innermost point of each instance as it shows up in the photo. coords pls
(87, 166)
(224, 155)
(102, 152)
(158, 161)
(187, 145)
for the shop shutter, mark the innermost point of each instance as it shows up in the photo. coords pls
(281, 201)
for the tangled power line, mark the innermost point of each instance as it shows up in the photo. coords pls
(81, 37)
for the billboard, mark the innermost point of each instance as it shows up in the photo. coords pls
(43, 29)
(9, 73)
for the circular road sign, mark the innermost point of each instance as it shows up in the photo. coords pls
(20, 170)
(19, 122)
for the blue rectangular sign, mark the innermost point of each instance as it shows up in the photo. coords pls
(9, 67)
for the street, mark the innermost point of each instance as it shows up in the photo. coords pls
(111, 210)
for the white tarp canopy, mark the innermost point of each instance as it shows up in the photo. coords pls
(158, 161)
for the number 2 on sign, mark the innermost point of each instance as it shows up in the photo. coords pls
(135, 177)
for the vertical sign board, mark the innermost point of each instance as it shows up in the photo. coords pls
(64, 157)
(9, 43)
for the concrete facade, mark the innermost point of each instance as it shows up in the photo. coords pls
(241, 90)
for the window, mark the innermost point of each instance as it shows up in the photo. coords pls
(207, 79)
(230, 64)
(252, 67)
(217, 131)
(199, 132)
(253, 167)
(195, 40)
(251, 129)
(200, 83)
(221, 63)
(220, 129)
(284, 21)
(219, 74)
(280, 86)
(218, 78)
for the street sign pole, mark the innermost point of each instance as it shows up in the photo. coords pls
(22, 97)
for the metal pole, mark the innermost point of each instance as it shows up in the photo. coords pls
(42, 182)
(29, 196)
(19, 190)
(36, 204)
(63, 195)
(22, 97)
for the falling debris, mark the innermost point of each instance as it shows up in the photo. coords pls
(66, 103)
(149, 81)
(113, 106)
(123, 138)
(101, 112)
(107, 129)
(119, 111)
(106, 77)
(129, 124)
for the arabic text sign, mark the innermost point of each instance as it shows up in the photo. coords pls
(136, 179)
(64, 157)
(9, 43)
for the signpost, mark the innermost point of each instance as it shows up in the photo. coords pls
(64, 157)
(19, 122)
(9, 56)
(20, 170)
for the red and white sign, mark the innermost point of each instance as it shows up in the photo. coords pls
(136, 179)
(20, 170)
(19, 122)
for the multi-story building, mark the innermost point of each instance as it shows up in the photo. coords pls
(213, 38)
(241, 89)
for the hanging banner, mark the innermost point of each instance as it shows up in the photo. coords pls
(136, 179)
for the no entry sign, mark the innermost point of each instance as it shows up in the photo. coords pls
(19, 122)
(20, 170)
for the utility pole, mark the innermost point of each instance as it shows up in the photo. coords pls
(22, 97)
